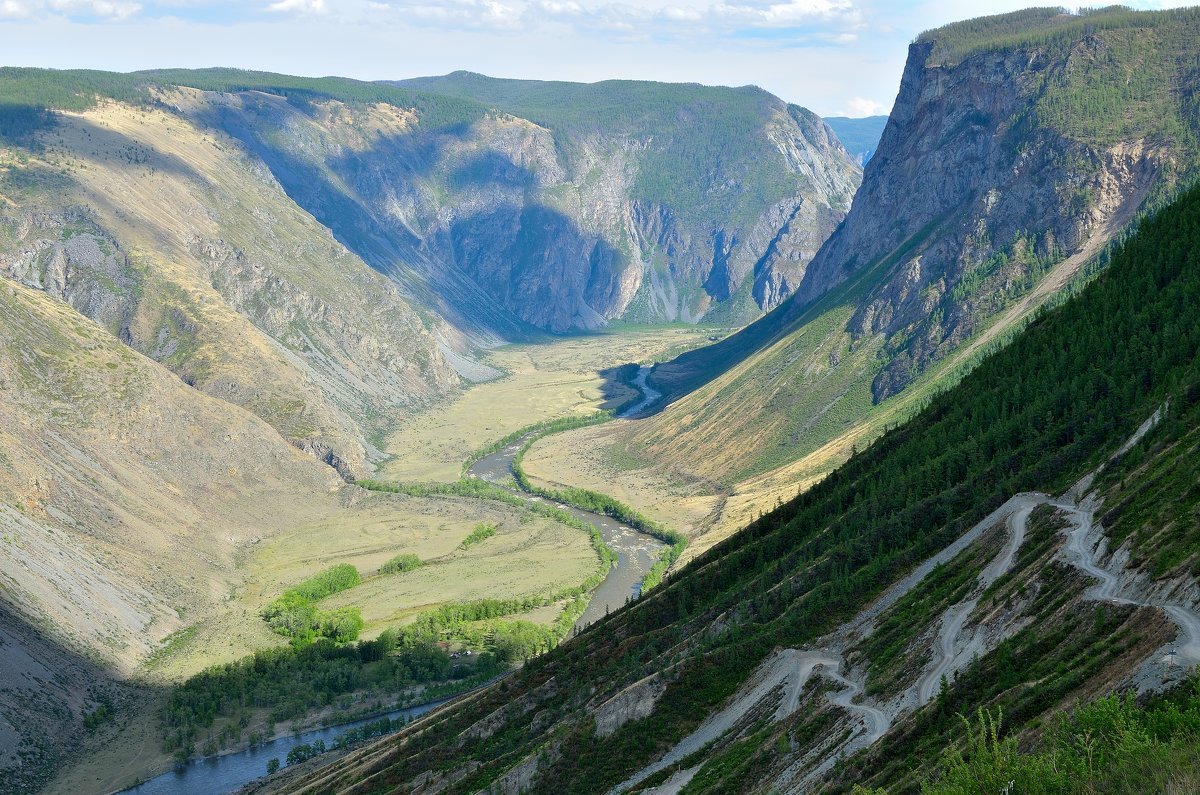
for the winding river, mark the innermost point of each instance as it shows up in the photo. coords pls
(636, 553)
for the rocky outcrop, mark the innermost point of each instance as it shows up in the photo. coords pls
(1011, 200)
(68, 256)
(500, 222)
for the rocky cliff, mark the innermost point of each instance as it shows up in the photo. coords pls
(535, 208)
(641, 201)
(1018, 148)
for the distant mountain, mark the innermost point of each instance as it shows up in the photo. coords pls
(860, 136)
(702, 202)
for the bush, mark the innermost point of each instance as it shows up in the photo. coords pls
(401, 563)
(481, 532)
(294, 615)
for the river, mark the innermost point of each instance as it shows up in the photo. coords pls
(636, 553)
(228, 772)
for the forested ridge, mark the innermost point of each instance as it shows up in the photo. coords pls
(1035, 416)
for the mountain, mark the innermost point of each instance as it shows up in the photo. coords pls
(126, 496)
(705, 202)
(1019, 146)
(860, 136)
(367, 239)
(185, 246)
(1027, 541)
(221, 289)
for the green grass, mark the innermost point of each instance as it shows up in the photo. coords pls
(1112, 745)
(401, 563)
(481, 533)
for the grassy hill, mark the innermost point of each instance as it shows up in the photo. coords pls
(1035, 416)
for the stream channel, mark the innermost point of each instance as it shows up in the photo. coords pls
(636, 553)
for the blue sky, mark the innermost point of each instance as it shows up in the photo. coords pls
(838, 57)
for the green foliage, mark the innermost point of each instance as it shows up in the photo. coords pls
(401, 563)
(1111, 745)
(946, 585)
(481, 489)
(537, 431)
(295, 615)
(482, 531)
(103, 713)
(1036, 415)
(601, 503)
(1121, 68)
(288, 682)
(334, 579)
(1153, 493)
(304, 751)
(273, 766)
(29, 92)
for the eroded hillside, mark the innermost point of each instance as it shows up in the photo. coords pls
(186, 248)
(1031, 609)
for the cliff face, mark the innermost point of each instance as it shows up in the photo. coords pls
(1011, 159)
(1010, 201)
(515, 216)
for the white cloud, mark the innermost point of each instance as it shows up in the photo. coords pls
(828, 20)
(795, 12)
(298, 6)
(11, 9)
(99, 9)
(857, 107)
(468, 14)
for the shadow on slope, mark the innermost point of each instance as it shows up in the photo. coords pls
(53, 701)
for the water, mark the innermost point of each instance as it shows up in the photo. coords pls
(650, 395)
(636, 552)
(228, 772)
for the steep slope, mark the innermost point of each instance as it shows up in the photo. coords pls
(1007, 165)
(706, 202)
(125, 498)
(739, 632)
(185, 247)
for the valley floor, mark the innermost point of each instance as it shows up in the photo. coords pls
(528, 555)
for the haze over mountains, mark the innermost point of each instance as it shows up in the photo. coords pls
(223, 291)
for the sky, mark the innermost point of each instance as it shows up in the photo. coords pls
(837, 57)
